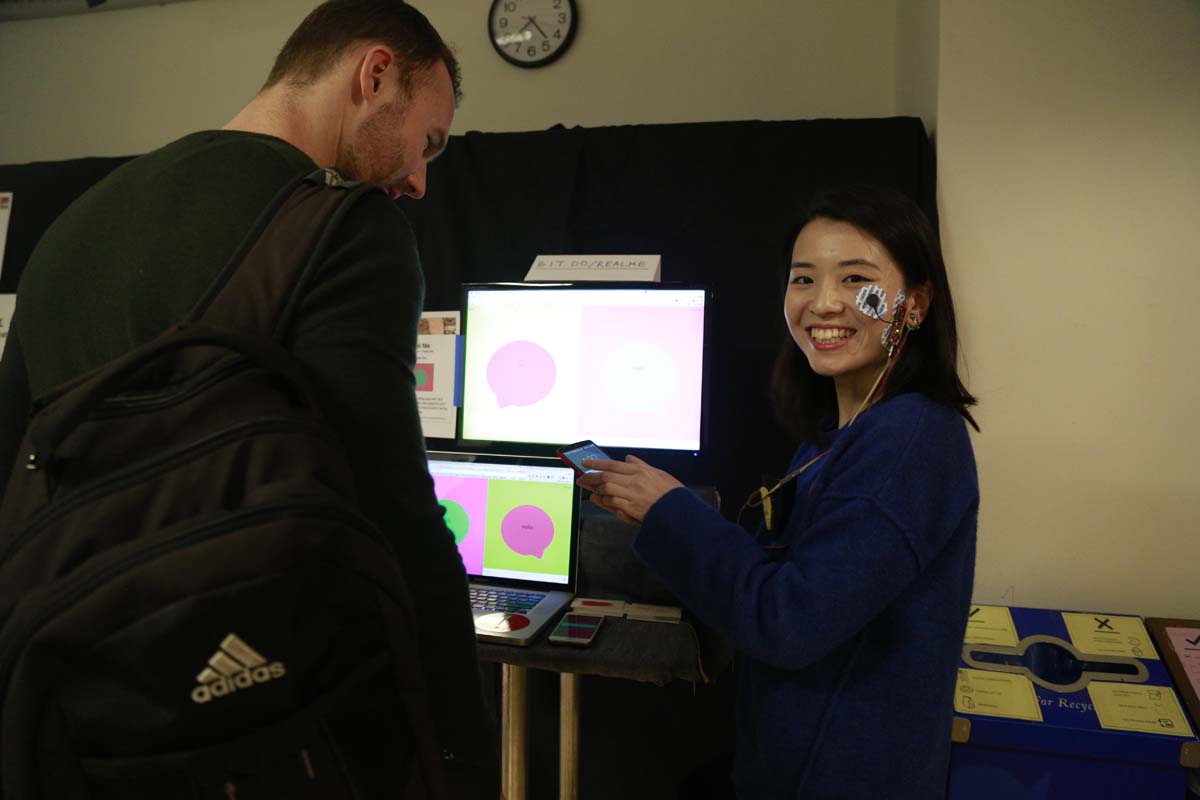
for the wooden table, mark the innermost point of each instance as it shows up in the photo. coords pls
(653, 652)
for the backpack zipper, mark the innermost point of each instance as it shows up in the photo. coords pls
(132, 474)
(187, 388)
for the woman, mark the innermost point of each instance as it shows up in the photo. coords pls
(848, 610)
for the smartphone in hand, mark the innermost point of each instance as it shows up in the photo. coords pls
(576, 629)
(574, 454)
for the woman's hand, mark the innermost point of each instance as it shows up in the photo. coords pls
(626, 488)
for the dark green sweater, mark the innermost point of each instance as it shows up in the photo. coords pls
(134, 254)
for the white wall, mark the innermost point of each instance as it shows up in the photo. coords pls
(1069, 181)
(122, 82)
(1069, 170)
(917, 24)
(635, 61)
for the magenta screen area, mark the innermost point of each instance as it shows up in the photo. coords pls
(622, 367)
(509, 521)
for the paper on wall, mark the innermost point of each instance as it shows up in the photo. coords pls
(6, 202)
(436, 373)
(8, 304)
(436, 323)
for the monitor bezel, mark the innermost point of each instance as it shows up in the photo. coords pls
(544, 448)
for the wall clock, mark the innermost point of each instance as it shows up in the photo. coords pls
(532, 33)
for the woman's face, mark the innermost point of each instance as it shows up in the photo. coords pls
(831, 262)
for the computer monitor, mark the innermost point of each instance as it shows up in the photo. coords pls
(620, 364)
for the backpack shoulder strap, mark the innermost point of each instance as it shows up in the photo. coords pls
(255, 293)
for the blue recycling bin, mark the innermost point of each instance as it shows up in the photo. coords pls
(1066, 704)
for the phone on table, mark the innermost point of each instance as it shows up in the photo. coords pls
(576, 629)
(574, 454)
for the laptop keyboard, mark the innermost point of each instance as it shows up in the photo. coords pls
(512, 600)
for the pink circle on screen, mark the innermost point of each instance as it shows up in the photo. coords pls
(527, 530)
(521, 373)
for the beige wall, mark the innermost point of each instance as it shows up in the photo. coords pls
(123, 82)
(1069, 180)
(1070, 192)
(917, 24)
(684, 61)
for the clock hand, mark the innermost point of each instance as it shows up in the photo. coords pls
(533, 21)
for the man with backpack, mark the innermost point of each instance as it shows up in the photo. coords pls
(367, 90)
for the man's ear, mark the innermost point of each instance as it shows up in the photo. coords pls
(373, 70)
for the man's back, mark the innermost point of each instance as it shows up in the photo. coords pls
(133, 255)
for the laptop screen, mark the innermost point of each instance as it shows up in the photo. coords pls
(512, 518)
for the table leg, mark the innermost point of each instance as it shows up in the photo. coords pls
(513, 731)
(568, 736)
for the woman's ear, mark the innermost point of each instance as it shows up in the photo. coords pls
(920, 299)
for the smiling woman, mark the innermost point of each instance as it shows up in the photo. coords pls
(847, 606)
(832, 261)
(848, 239)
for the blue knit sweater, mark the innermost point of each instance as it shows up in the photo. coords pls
(848, 635)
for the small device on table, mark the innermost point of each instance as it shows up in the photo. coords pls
(576, 629)
(574, 454)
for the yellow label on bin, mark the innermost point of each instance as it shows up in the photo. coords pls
(1108, 635)
(1145, 709)
(991, 625)
(996, 694)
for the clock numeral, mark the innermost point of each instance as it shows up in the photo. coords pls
(558, 3)
(546, 45)
(504, 22)
(558, 33)
(517, 48)
(510, 7)
(532, 51)
(562, 18)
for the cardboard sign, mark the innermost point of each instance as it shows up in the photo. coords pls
(595, 268)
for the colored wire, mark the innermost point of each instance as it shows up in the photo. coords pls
(758, 496)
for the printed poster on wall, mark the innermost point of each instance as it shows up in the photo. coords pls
(435, 373)
(6, 202)
(8, 302)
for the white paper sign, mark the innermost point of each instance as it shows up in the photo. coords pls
(595, 268)
(6, 202)
(437, 357)
(8, 304)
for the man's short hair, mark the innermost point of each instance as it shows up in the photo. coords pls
(335, 25)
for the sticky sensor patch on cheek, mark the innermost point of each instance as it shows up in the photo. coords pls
(872, 301)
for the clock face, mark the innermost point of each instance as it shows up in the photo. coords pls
(532, 33)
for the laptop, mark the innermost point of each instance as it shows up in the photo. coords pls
(515, 520)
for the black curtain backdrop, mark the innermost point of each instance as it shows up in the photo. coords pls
(716, 200)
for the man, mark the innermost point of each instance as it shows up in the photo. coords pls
(368, 88)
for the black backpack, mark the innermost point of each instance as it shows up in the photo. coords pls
(190, 604)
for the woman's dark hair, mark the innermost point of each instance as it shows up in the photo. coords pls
(321, 39)
(928, 363)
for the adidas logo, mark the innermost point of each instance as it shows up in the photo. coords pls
(235, 666)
